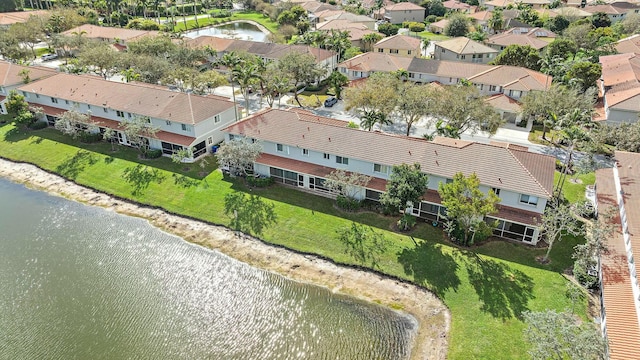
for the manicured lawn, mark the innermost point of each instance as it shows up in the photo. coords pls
(259, 18)
(575, 185)
(431, 36)
(486, 288)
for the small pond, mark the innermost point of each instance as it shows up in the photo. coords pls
(237, 30)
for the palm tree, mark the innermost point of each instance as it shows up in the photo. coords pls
(338, 41)
(496, 22)
(246, 73)
(370, 118)
(230, 60)
(369, 39)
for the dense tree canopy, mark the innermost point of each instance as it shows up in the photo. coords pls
(519, 55)
(458, 26)
(405, 187)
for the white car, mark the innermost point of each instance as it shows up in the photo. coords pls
(47, 57)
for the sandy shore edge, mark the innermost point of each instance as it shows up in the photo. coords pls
(434, 318)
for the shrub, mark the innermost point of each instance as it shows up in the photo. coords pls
(260, 182)
(431, 19)
(154, 154)
(37, 125)
(580, 271)
(417, 27)
(88, 138)
(348, 204)
(407, 222)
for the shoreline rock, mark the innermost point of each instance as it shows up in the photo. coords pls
(430, 339)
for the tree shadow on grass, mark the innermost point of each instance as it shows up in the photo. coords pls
(431, 267)
(140, 177)
(504, 292)
(184, 181)
(16, 134)
(75, 164)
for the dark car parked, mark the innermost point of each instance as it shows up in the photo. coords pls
(330, 102)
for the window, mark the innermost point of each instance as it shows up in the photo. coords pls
(379, 168)
(37, 96)
(342, 160)
(168, 122)
(412, 75)
(326, 156)
(216, 119)
(119, 113)
(492, 88)
(393, 51)
(24, 94)
(408, 52)
(279, 148)
(380, 50)
(54, 100)
(184, 127)
(66, 102)
(449, 181)
(528, 199)
(443, 50)
(88, 107)
(496, 191)
(129, 115)
(305, 152)
(463, 57)
(105, 109)
(209, 140)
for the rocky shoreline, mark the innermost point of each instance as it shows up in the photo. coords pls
(434, 318)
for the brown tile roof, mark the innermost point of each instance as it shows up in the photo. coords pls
(630, 44)
(402, 42)
(339, 24)
(481, 16)
(456, 5)
(506, 39)
(499, 3)
(611, 9)
(141, 100)
(373, 61)
(510, 169)
(621, 77)
(10, 18)
(440, 24)
(104, 32)
(503, 102)
(623, 331)
(535, 32)
(316, 6)
(463, 45)
(403, 6)
(262, 49)
(354, 18)
(10, 73)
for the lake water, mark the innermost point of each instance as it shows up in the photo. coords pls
(237, 30)
(80, 282)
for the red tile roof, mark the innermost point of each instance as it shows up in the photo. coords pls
(623, 330)
(505, 168)
(10, 73)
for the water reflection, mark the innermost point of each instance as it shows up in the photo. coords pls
(237, 30)
(82, 282)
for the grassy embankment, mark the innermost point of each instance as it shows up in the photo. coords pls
(253, 16)
(486, 288)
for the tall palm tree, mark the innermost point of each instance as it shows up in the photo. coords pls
(246, 74)
(230, 60)
(369, 39)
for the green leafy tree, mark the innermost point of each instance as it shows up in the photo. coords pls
(562, 48)
(519, 55)
(405, 187)
(74, 123)
(111, 136)
(600, 20)
(557, 24)
(249, 214)
(16, 103)
(363, 243)
(370, 39)
(583, 74)
(466, 204)
(558, 221)
(388, 29)
(301, 69)
(496, 21)
(238, 154)
(246, 74)
(101, 57)
(464, 110)
(376, 99)
(276, 82)
(338, 81)
(230, 60)
(458, 26)
(346, 184)
(554, 335)
(29, 33)
(415, 102)
(434, 7)
(138, 131)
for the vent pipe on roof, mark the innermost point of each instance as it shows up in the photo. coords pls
(329, 139)
(409, 152)
(437, 163)
(436, 151)
(499, 179)
(303, 136)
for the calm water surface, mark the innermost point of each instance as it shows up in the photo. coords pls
(237, 30)
(79, 282)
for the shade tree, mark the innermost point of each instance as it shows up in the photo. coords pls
(405, 186)
(238, 154)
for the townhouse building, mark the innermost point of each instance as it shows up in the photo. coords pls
(463, 49)
(400, 12)
(119, 37)
(183, 120)
(620, 86)
(401, 45)
(511, 81)
(299, 149)
(13, 76)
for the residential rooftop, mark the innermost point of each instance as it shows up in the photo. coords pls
(10, 18)
(106, 32)
(463, 45)
(10, 73)
(496, 166)
(401, 6)
(134, 98)
(630, 44)
(398, 41)
(621, 79)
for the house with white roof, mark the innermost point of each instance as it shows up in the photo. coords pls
(299, 149)
(183, 120)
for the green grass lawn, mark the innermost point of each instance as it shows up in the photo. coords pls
(486, 288)
(202, 22)
(575, 185)
(432, 36)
